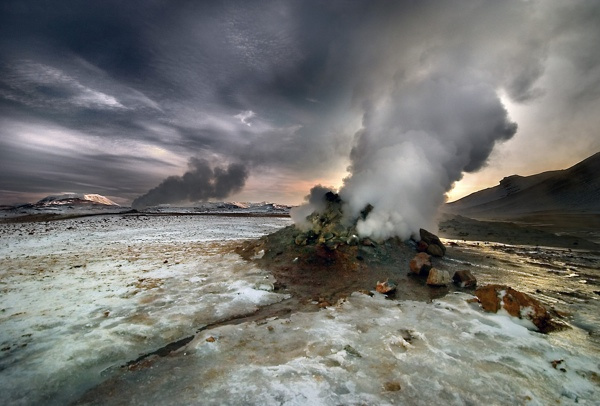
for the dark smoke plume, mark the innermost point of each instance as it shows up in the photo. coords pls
(201, 182)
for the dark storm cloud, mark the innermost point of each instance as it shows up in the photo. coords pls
(273, 85)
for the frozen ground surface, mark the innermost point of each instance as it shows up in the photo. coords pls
(368, 350)
(81, 297)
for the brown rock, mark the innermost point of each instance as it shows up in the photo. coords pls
(422, 246)
(435, 250)
(392, 386)
(464, 279)
(432, 239)
(386, 286)
(517, 304)
(438, 277)
(421, 263)
(323, 304)
(367, 242)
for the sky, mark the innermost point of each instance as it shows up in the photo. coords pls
(120, 98)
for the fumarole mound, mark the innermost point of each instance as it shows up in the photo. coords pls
(329, 260)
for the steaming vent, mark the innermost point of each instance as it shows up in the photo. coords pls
(329, 226)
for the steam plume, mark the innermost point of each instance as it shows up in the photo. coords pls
(200, 182)
(430, 107)
(413, 147)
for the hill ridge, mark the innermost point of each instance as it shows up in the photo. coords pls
(575, 189)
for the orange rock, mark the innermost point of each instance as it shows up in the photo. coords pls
(323, 304)
(488, 297)
(421, 263)
(517, 304)
(386, 286)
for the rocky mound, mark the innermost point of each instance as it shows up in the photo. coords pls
(327, 260)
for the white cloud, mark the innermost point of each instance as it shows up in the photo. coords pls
(38, 84)
(244, 116)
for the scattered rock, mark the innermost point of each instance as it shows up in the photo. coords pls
(464, 279)
(351, 351)
(301, 239)
(438, 277)
(211, 339)
(386, 286)
(432, 239)
(517, 304)
(422, 246)
(435, 250)
(420, 264)
(392, 386)
(352, 240)
(322, 303)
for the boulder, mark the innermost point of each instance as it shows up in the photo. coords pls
(438, 277)
(386, 286)
(517, 304)
(432, 239)
(464, 279)
(435, 250)
(422, 246)
(301, 239)
(421, 263)
(352, 240)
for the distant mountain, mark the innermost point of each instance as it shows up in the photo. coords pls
(572, 190)
(223, 208)
(72, 199)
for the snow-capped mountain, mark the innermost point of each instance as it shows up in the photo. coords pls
(75, 199)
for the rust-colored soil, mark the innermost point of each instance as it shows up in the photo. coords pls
(316, 273)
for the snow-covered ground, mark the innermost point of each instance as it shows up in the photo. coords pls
(81, 297)
(368, 350)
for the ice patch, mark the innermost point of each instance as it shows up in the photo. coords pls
(369, 350)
